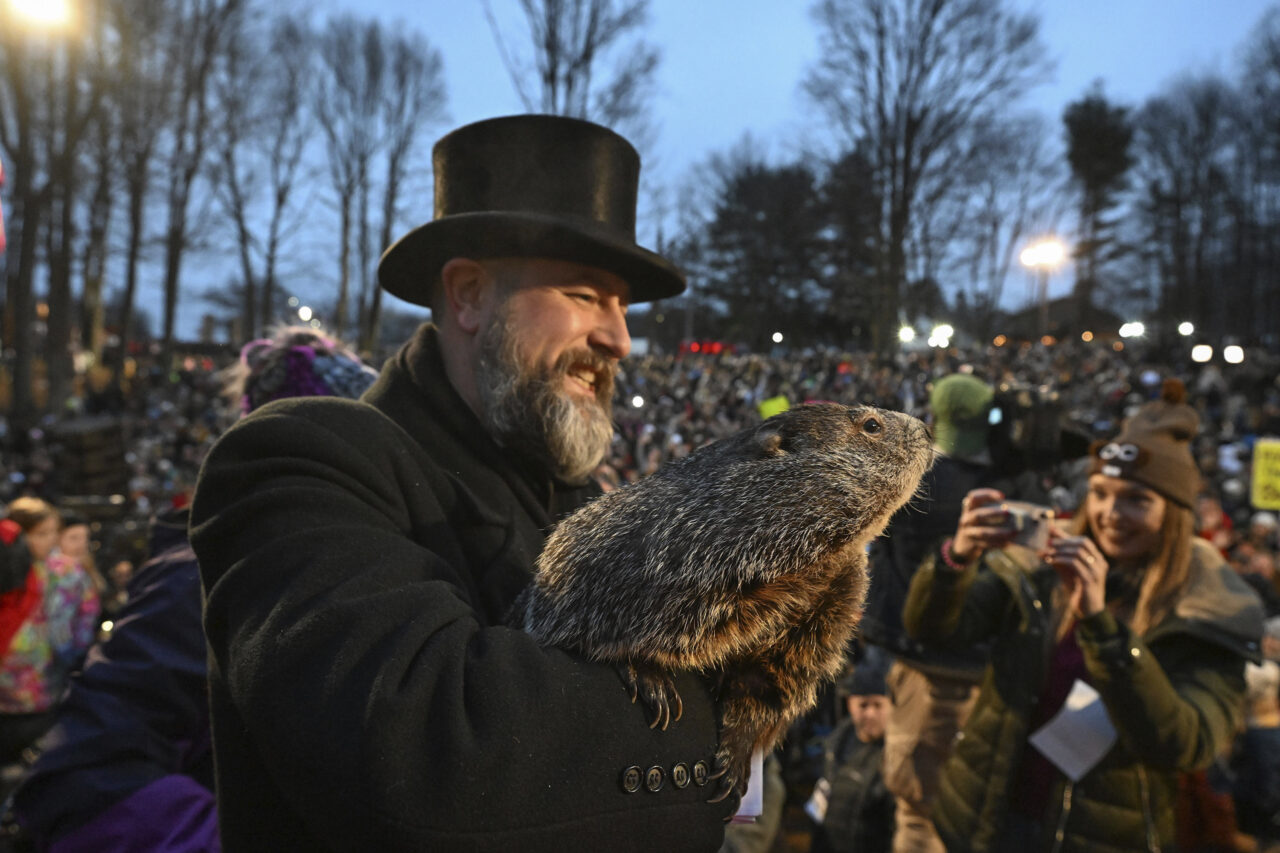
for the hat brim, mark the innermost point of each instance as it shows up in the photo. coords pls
(410, 267)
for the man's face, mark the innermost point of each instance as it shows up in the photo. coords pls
(548, 353)
(870, 713)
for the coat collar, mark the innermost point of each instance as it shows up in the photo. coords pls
(415, 391)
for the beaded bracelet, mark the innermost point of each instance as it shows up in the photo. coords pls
(949, 558)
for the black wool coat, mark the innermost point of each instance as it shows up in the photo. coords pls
(358, 561)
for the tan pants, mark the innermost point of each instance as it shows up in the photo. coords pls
(928, 711)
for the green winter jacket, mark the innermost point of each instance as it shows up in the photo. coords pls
(1174, 696)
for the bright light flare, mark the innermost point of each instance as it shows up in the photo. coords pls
(906, 334)
(304, 313)
(1133, 330)
(777, 337)
(1047, 253)
(48, 14)
(1186, 329)
(1233, 354)
(637, 401)
(1200, 353)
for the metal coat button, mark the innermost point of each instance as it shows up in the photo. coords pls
(631, 779)
(680, 775)
(654, 778)
(700, 773)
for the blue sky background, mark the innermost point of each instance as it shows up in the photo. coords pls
(732, 67)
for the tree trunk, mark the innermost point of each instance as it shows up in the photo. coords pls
(344, 268)
(137, 196)
(61, 238)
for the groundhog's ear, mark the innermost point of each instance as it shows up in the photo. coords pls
(769, 441)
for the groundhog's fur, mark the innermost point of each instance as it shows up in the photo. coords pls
(747, 559)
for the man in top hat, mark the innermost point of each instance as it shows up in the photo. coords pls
(359, 558)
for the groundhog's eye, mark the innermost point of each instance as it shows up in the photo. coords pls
(871, 426)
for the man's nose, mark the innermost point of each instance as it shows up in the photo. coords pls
(610, 333)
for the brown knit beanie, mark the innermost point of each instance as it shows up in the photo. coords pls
(1154, 447)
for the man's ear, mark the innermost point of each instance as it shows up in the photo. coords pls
(465, 284)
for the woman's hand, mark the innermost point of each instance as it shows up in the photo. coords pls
(1081, 568)
(983, 525)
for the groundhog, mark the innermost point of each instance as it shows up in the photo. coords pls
(746, 560)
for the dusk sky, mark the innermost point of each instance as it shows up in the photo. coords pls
(731, 67)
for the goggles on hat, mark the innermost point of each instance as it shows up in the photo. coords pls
(1119, 459)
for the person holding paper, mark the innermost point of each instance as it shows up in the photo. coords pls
(1118, 656)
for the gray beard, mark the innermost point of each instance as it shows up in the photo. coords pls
(525, 408)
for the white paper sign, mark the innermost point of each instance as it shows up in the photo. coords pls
(752, 805)
(1078, 735)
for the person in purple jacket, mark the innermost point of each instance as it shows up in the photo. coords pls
(127, 766)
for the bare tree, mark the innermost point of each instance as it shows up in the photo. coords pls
(413, 100)
(198, 37)
(48, 99)
(571, 41)
(1014, 193)
(903, 80)
(237, 124)
(288, 125)
(349, 87)
(21, 136)
(259, 138)
(1185, 139)
(143, 100)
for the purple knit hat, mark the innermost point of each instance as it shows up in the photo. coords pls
(299, 362)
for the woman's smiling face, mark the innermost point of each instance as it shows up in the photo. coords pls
(1125, 517)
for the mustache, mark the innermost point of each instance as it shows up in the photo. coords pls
(603, 367)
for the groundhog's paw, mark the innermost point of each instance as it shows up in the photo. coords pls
(733, 766)
(656, 690)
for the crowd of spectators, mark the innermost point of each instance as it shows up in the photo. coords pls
(666, 406)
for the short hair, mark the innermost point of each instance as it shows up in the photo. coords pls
(29, 513)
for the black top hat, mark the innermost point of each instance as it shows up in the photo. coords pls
(531, 186)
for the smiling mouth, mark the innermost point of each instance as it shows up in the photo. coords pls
(584, 377)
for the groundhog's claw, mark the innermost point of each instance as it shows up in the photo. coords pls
(655, 688)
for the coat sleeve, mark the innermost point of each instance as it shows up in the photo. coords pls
(956, 608)
(1178, 711)
(136, 714)
(360, 677)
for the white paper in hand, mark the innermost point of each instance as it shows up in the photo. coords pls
(752, 805)
(1078, 735)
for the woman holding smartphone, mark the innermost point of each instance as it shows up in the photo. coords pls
(1127, 609)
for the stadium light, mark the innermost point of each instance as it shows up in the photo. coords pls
(637, 401)
(1185, 328)
(1233, 354)
(906, 334)
(1200, 353)
(45, 14)
(777, 337)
